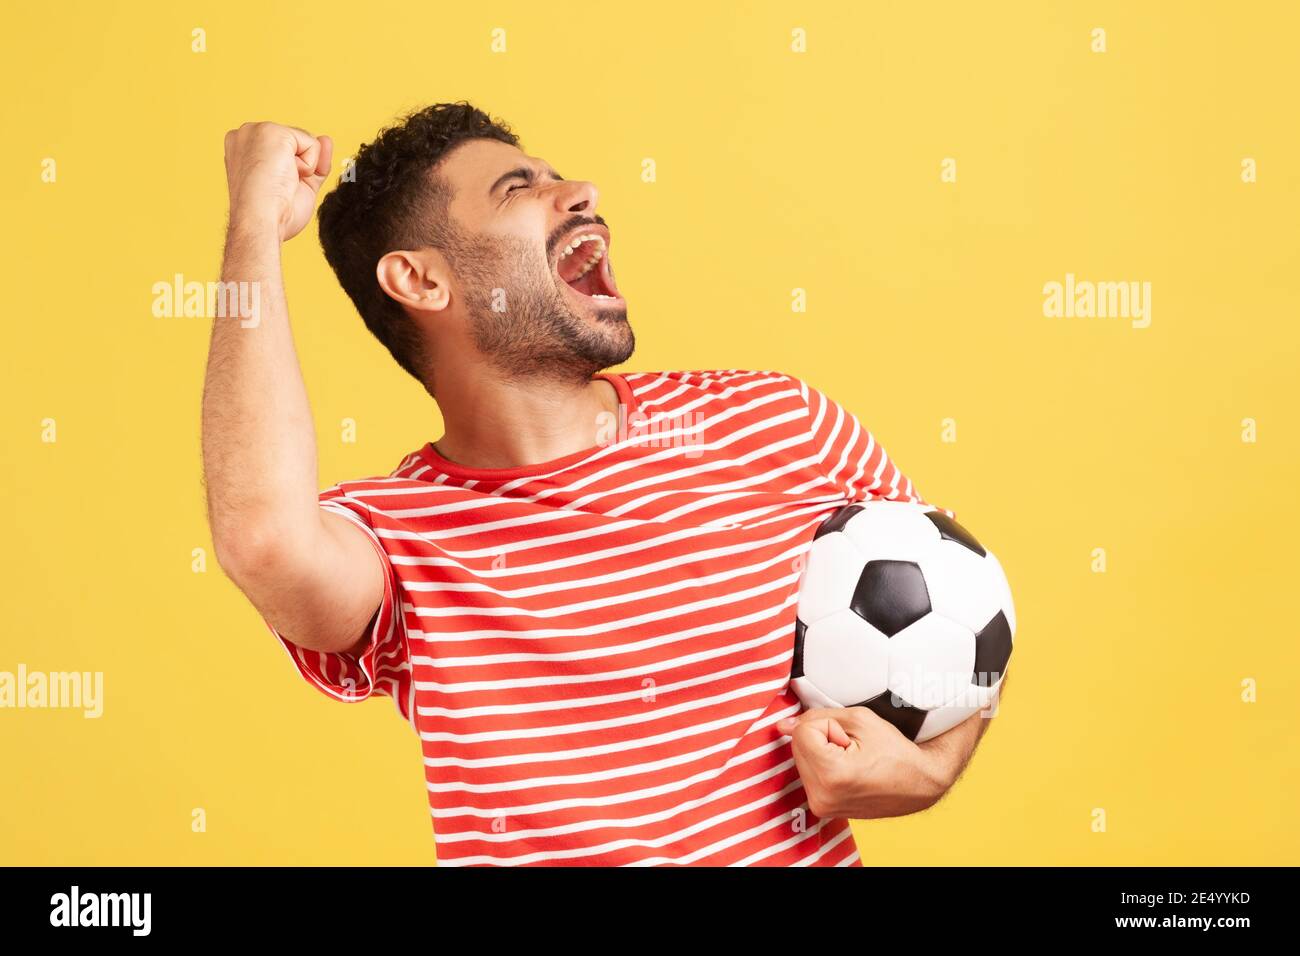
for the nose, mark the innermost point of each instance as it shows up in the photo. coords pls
(576, 196)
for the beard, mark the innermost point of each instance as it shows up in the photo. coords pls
(523, 324)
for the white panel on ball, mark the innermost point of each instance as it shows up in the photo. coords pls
(931, 661)
(961, 584)
(846, 658)
(834, 566)
(943, 719)
(810, 694)
(892, 531)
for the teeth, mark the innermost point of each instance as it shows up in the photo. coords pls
(595, 256)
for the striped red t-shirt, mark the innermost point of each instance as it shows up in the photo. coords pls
(594, 650)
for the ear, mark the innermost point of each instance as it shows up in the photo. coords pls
(415, 279)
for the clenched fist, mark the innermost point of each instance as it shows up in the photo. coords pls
(856, 765)
(274, 173)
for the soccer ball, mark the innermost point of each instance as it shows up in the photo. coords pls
(901, 610)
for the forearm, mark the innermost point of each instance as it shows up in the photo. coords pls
(950, 752)
(259, 445)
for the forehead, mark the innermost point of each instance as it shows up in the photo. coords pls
(475, 165)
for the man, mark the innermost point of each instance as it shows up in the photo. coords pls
(582, 595)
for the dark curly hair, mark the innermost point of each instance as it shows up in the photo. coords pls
(390, 201)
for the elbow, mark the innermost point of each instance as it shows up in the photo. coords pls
(247, 550)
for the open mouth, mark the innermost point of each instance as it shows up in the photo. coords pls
(584, 267)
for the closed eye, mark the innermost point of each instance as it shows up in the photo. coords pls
(524, 177)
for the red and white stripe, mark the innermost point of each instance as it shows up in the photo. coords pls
(594, 651)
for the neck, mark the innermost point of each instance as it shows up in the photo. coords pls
(490, 422)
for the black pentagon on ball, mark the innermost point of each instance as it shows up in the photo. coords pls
(837, 521)
(992, 651)
(952, 531)
(890, 595)
(900, 713)
(800, 632)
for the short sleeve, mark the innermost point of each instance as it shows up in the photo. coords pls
(848, 456)
(383, 667)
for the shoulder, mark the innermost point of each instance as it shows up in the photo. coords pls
(412, 476)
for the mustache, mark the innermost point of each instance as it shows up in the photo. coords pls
(573, 222)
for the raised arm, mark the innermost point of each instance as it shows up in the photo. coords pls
(314, 576)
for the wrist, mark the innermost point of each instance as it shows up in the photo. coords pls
(252, 246)
(253, 224)
(935, 776)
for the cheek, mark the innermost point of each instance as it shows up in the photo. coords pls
(523, 222)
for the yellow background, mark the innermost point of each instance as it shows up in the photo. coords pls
(776, 170)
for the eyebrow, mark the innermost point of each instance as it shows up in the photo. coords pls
(526, 173)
